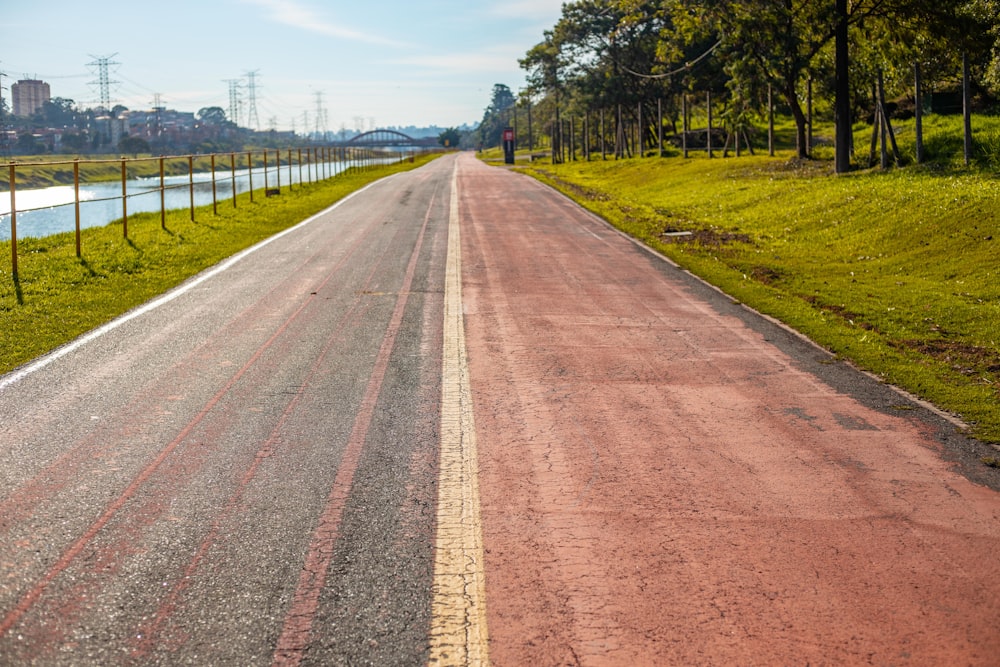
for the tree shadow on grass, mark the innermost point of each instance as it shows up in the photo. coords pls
(88, 268)
(18, 292)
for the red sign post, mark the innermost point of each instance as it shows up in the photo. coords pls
(508, 145)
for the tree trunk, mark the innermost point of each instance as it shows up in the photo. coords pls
(842, 104)
(792, 98)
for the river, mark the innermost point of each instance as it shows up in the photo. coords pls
(46, 211)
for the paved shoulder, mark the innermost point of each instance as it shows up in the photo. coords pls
(663, 485)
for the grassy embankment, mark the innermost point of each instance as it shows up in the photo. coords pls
(58, 296)
(896, 271)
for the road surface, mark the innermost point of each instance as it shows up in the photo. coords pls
(454, 419)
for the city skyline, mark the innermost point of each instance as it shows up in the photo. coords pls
(421, 64)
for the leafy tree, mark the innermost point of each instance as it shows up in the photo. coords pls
(75, 142)
(603, 53)
(495, 117)
(57, 112)
(133, 145)
(212, 115)
(28, 144)
(544, 64)
(450, 138)
(502, 100)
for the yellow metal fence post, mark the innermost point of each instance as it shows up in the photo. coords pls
(13, 220)
(191, 183)
(250, 172)
(76, 202)
(215, 201)
(124, 200)
(163, 198)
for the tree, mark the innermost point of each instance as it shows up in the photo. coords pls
(57, 112)
(543, 64)
(133, 145)
(212, 116)
(495, 117)
(777, 41)
(450, 138)
(28, 144)
(75, 142)
(502, 99)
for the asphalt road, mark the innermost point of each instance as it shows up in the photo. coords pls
(165, 485)
(455, 419)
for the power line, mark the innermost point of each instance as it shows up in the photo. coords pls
(685, 67)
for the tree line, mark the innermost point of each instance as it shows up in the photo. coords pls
(747, 54)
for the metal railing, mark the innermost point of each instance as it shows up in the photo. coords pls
(309, 165)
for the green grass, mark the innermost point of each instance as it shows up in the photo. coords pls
(896, 271)
(57, 296)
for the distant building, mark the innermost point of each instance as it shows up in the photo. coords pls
(28, 96)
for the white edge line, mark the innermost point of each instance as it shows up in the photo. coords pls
(41, 362)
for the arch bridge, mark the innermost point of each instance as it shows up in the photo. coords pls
(389, 138)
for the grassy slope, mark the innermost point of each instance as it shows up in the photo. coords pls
(895, 271)
(58, 296)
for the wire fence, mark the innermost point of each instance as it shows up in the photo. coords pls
(179, 182)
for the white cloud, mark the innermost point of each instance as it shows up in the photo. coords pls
(296, 15)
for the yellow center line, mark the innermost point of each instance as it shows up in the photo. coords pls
(458, 623)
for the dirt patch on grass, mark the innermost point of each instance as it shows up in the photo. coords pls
(765, 274)
(578, 190)
(707, 237)
(962, 357)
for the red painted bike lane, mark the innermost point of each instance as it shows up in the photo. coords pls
(662, 485)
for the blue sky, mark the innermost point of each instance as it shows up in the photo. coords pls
(387, 62)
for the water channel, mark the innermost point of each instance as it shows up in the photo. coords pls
(46, 211)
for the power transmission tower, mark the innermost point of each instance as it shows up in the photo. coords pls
(320, 115)
(103, 81)
(252, 119)
(234, 100)
(158, 108)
